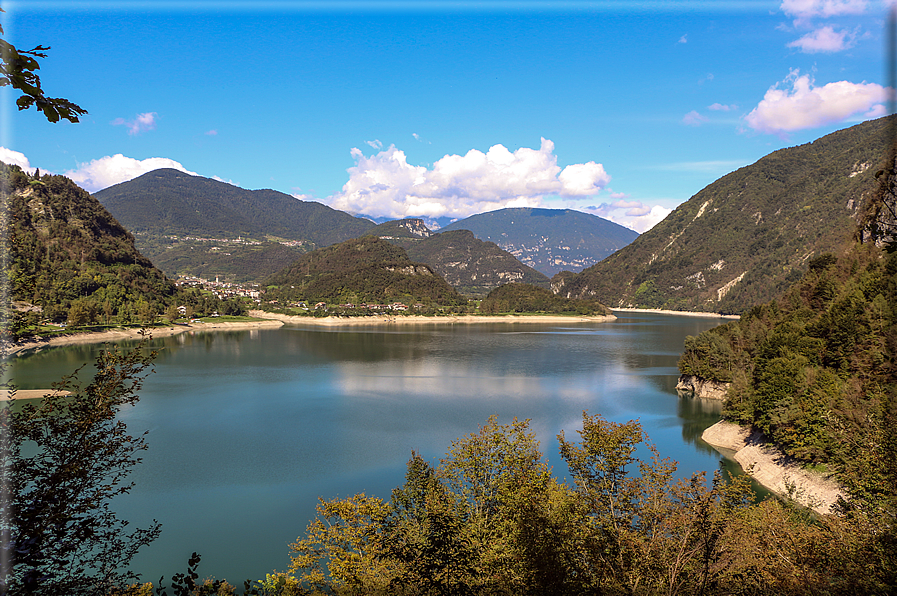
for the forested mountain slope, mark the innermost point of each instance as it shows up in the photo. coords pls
(168, 201)
(67, 251)
(362, 270)
(548, 240)
(816, 368)
(748, 236)
(471, 266)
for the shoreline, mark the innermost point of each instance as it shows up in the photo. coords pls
(92, 337)
(422, 320)
(771, 468)
(684, 313)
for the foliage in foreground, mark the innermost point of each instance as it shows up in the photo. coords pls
(63, 460)
(491, 519)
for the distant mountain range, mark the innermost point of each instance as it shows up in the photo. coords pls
(190, 225)
(745, 238)
(549, 240)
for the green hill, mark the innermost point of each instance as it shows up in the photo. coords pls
(362, 270)
(548, 240)
(471, 266)
(67, 251)
(748, 236)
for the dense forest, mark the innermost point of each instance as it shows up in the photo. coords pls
(363, 270)
(67, 252)
(525, 298)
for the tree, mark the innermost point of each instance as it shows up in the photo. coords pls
(18, 70)
(65, 458)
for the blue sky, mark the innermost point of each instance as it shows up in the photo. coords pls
(444, 109)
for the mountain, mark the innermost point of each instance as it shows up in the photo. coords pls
(362, 270)
(745, 238)
(815, 369)
(167, 202)
(236, 260)
(471, 266)
(66, 251)
(548, 240)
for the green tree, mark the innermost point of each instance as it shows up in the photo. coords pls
(18, 69)
(65, 458)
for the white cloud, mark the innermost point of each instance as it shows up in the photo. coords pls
(211, 133)
(718, 107)
(806, 9)
(8, 156)
(683, 39)
(693, 118)
(807, 106)
(106, 171)
(632, 214)
(825, 39)
(375, 144)
(141, 123)
(385, 184)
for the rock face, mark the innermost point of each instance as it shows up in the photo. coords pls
(772, 468)
(702, 387)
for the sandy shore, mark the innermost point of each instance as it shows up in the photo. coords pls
(421, 320)
(122, 334)
(772, 468)
(684, 313)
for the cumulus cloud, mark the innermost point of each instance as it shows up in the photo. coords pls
(106, 171)
(385, 184)
(211, 133)
(804, 106)
(825, 39)
(632, 214)
(683, 39)
(14, 158)
(718, 107)
(140, 123)
(693, 118)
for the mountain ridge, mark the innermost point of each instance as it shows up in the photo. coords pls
(746, 237)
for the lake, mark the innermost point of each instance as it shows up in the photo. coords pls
(248, 428)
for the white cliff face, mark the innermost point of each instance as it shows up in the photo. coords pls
(702, 387)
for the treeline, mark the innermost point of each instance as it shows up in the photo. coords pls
(524, 298)
(492, 519)
(815, 369)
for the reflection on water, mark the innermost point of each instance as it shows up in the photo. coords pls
(248, 428)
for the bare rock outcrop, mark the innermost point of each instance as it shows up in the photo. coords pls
(702, 387)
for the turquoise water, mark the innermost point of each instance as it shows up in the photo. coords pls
(248, 428)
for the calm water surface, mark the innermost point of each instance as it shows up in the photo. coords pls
(248, 428)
